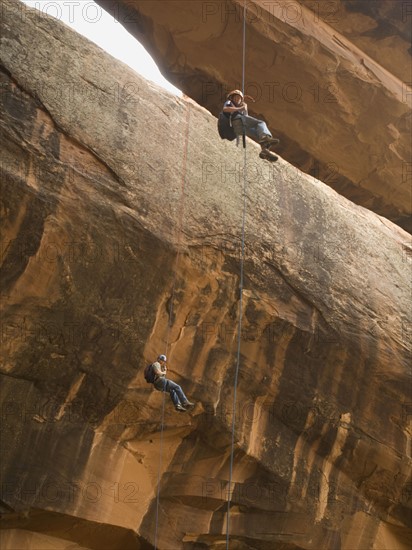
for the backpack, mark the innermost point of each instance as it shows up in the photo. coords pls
(224, 128)
(149, 374)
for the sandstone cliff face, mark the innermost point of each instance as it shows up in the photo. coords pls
(332, 80)
(380, 29)
(119, 201)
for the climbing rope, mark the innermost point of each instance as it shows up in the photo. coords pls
(242, 262)
(169, 324)
(244, 65)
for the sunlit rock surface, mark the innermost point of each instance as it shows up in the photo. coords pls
(332, 79)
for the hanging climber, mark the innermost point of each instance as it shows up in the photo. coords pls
(234, 120)
(156, 374)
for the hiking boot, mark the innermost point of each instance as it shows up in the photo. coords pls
(268, 155)
(267, 142)
(180, 408)
(188, 404)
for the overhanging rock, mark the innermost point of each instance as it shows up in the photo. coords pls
(332, 80)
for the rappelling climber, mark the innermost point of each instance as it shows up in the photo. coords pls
(235, 117)
(161, 383)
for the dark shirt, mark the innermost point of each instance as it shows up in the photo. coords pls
(229, 103)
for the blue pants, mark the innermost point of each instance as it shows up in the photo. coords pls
(176, 392)
(254, 128)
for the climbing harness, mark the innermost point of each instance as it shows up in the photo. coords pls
(242, 262)
(169, 324)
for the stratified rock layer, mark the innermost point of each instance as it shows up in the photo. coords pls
(332, 80)
(121, 214)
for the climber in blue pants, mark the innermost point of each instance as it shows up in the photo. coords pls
(161, 383)
(236, 110)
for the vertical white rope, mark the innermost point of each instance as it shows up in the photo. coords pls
(239, 331)
(244, 49)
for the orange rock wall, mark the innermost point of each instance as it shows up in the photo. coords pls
(100, 237)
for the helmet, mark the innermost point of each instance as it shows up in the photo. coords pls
(161, 358)
(235, 92)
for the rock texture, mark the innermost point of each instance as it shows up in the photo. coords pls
(119, 242)
(332, 80)
(380, 29)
